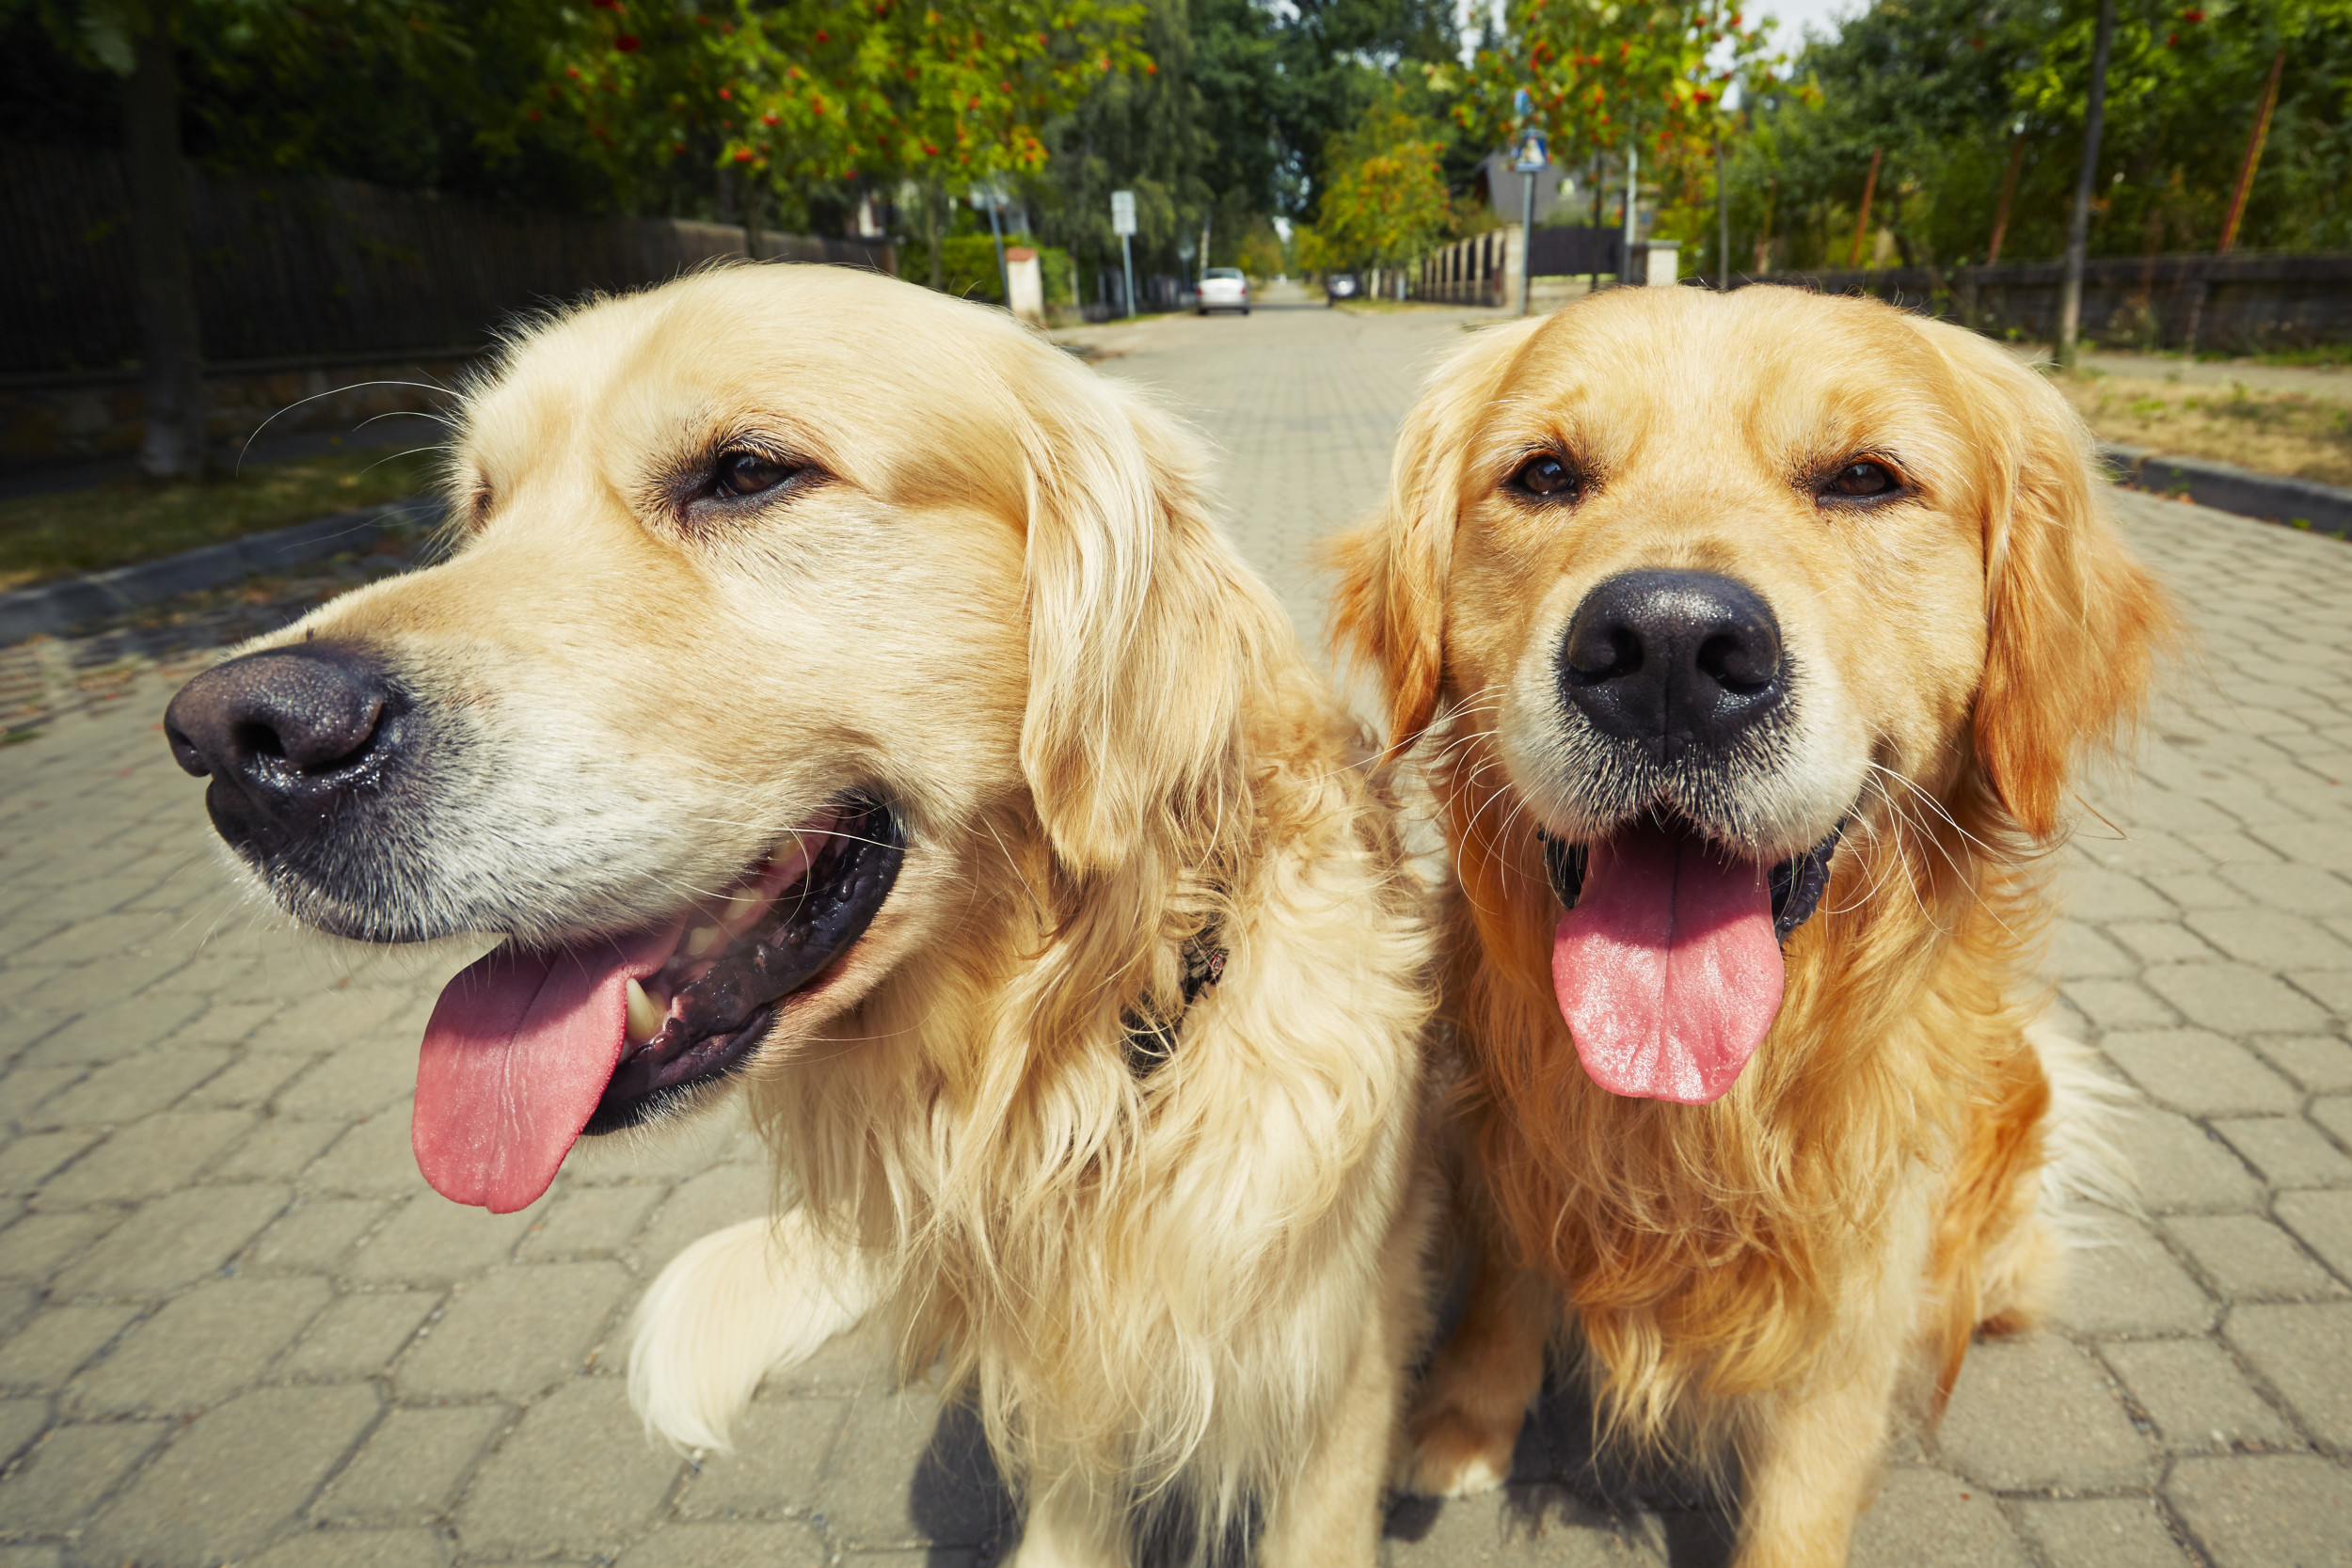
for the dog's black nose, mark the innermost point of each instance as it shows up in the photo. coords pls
(284, 735)
(1676, 661)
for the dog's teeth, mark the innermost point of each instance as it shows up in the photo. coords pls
(743, 908)
(701, 940)
(644, 1018)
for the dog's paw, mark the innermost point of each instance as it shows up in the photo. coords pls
(1453, 1454)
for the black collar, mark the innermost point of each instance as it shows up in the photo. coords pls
(1150, 1038)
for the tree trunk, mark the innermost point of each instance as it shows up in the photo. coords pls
(1862, 217)
(169, 351)
(1723, 223)
(2078, 227)
(930, 237)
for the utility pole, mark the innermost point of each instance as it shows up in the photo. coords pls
(2078, 230)
(1632, 202)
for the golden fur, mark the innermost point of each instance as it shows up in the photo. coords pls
(1750, 1281)
(1000, 600)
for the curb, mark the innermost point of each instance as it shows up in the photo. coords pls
(55, 608)
(2295, 502)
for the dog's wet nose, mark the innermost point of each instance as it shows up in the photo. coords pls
(1675, 661)
(284, 735)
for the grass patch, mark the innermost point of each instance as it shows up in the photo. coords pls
(128, 521)
(2291, 434)
(2324, 356)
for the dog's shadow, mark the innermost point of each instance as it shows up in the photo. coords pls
(961, 1505)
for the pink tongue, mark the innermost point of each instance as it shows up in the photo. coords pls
(1668, 970)
(517, 1055)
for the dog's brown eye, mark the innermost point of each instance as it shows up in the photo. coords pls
(1863, 479)
(748, 473)
(1545, 475)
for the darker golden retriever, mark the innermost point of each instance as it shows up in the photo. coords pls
(1752, 644)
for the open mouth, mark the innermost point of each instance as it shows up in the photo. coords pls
(529, 1048)
(1666, 963)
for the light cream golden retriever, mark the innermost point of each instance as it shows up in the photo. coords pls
(842, 698)
(1751, 642)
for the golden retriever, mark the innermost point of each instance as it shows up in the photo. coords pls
(842, 697)
(1753, 642)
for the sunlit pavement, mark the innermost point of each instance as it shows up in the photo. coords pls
(235, 1325)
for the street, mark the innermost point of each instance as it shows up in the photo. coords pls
(235, 1325)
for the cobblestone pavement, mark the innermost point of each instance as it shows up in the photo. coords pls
(235, 1326)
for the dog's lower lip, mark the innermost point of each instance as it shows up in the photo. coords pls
(789, 946)
(1796, 882)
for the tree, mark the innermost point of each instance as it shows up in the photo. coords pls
(1385, 201)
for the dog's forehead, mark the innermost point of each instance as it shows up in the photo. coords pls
(1774, 373)
(786, 351)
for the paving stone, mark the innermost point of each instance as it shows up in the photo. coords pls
(37, 1246)
(2182, 1166)
(2234, 999)
(412, 1465)
(1925, 1517)
(781, 1447)
(591, 1222)
(17, 1304)
(358, 1080)
(2100, 896)
(128, 1089)
(2035, 1411)
(106, 936)
(2120, 1004)
(228, 1480)
(576, 1475)
(148, 1158)
(28, 1161)
(54, 1488)
(2196, 1395)
(2296, 889)
(728, 1546)
(2080, 952)
(515, 1331)
(279, 1149)
(2265, 1512)
(27, 1089)
(2306, 1353)
(2249, 1259)
(375, 1159)
(21, 1421)
(315, 1233)
(430, 1240)
(248, 1081)
(2103, 1532)
(2199, 1073)
(2190, 890)
(358, 1335)
(2288, 1151)
(2132, 1285)
(2327, 844)
(357, 1549)
(2323, 1222)
(173, 1240)
(2330, 988)
(705, 1203)
(2271, 937)
(869, 1499)
(2161, 942)
(201, 1348)
(330, 1021)
(227, 1022)
(57, 1342)
(2321, 1063)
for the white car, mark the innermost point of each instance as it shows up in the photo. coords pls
(1224, 289)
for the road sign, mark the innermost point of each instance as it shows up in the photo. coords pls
(1533, 154)
(1521, 104)
(1122, 212)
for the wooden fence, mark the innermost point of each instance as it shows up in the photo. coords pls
(311, 268)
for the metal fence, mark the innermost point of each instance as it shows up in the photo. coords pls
(290, 268)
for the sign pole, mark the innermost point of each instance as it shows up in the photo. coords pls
(1534, 155)
(1527, 251)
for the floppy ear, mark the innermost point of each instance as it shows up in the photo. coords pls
(2073, 622)
(1390, 613)
(1145, 632)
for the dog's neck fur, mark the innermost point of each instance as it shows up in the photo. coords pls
(1706, 1255)
(1054, 1230)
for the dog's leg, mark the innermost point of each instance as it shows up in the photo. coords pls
(1466, 1421)
(1811, 1464)
(735, 1306)
(1330, 1516)
(1071, 1525)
